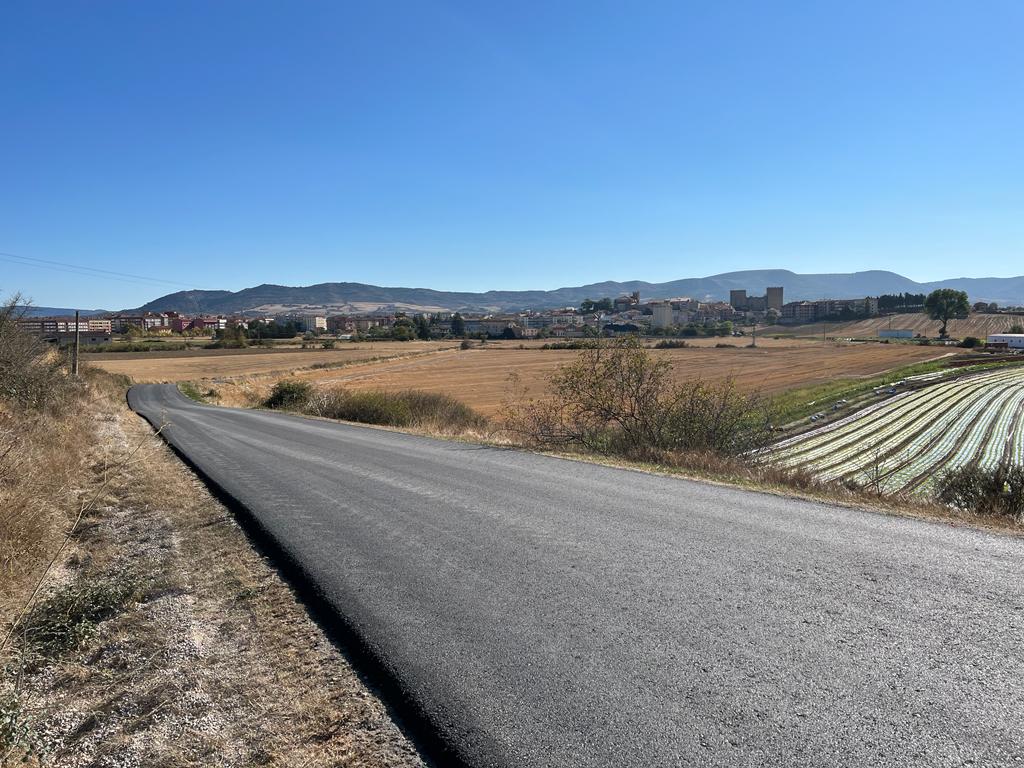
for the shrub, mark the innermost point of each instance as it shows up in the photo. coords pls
(32, 375)
(466, 344)
(574, 344)
(617, 398)
(997, 491)
(671, 344)
(289, 393)
(970, 342)
(410, 408)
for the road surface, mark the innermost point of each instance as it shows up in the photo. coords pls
(535, 611)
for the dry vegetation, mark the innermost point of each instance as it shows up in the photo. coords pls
(219, 363)
(158, 636)
(483, 377)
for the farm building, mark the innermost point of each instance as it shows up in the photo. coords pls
(1008, 340)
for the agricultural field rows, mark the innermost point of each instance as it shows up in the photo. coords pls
(904, 444)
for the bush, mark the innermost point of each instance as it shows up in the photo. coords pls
(617, 398)
(466, 344)
(574, 344)
(970, 342)
(411, 408)
(32, 375)
(671, 344)
(289, 394)
(998, 491)
(139, 346)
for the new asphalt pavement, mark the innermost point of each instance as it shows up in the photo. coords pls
(534, 611)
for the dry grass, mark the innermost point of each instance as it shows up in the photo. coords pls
(163, 638)
(484, 378)
(203, 364)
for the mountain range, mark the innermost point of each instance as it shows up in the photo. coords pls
(359, 297)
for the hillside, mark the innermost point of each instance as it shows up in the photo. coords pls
(359, 297)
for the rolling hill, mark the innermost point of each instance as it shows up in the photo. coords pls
(359, 297)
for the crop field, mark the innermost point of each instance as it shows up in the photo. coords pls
(222, 363)
(903, 444)
(979, 325)
(486, 378)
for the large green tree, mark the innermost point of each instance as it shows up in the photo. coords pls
(944, 304)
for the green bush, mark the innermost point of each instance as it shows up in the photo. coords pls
(289, 394)
(970, 342)
(998, 491)
(411, 408)
(138, 346)
(671, 344)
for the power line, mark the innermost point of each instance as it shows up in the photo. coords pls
(78, 269)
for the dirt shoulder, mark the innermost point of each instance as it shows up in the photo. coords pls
(165, 639)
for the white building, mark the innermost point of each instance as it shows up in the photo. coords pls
(1011, 340)
(662, 315)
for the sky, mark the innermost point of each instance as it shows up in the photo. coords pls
(470, 145)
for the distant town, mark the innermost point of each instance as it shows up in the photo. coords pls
(627, 314)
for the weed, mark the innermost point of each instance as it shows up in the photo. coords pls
(17, 742)
(67, 619)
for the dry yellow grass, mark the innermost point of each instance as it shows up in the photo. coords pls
(484, 378)
(204, 364)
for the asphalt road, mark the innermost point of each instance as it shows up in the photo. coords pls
(543, 612)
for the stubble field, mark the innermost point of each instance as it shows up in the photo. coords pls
(150, 367)
(486, 378)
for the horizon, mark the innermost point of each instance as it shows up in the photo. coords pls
(753, 288)
(472, 148)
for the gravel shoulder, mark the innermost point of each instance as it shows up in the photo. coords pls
(209, 659)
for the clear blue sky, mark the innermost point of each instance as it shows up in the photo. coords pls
(472, 145)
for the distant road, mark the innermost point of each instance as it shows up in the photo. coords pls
(543, 612)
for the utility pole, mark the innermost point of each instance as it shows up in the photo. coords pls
(74, 355)
(753, 342)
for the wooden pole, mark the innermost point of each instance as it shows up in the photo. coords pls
(74, 355)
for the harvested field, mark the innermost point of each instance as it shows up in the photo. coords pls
(221, 363)
(978, 325)
(482, 377)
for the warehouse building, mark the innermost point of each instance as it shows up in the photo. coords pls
(1006, 340)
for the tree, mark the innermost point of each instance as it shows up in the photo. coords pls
(1016, 328)
(423, 327)
(458, 325)
(944, 304)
